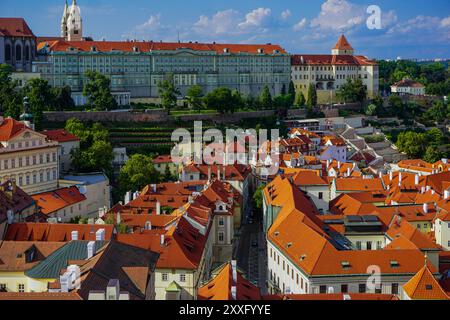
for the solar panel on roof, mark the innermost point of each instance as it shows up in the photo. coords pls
(354, 218)
(370, 218)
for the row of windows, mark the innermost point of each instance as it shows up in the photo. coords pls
(34, 178)
(20, 287)
(20, 162)
(327, 68)
(165, 277)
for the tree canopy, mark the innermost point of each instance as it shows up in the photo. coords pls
(97, 90)
(95, 152)
(137, 172)
(168, 93)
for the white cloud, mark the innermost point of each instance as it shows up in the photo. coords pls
(255, 19)
(153, 23)
(418, 23)
(445, 22)
(220, 23)
(299, 25)
(286, 14)
(339, 15)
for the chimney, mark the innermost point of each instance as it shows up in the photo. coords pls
(348, 172)
(158, 207)
(100, 234)
(390, 175)
(118, 218)
(154, 188)
(328, 163)
(428, 188)
(425, 207)
(113, 290)
(234, 271)
(90, 249)
(218, 173)
(10, 216)
(446, 194)
(399, 178)
(74, 235)
(64, 281)
(162, 240)
(422, 190)
(339, 164)
(416, 179)
(209, 173)
(233, 293)
(127, 197)
(380, 174)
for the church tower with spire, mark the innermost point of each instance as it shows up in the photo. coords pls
(71, 23)
(64, 21)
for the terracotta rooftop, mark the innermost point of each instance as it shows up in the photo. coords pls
(60, 135)
(424, 286)
(15, 27)
(219, 288)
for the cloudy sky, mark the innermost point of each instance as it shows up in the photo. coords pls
(409, 28)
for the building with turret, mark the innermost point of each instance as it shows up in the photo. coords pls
(328, 72)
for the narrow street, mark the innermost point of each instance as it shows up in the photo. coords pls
(250, 252)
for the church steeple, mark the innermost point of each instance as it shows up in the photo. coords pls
(64, 20)
(74, 23)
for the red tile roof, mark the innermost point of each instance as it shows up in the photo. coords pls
(15, 27)
(13, 198)
(219, 288)
(424, 286)
(334, 296)
(408, 83)
(127, 46)
(343, 44)
(60, 135)
(10, 128)
(41, 296)
(328, 59)
(54, 231)
(53, 201)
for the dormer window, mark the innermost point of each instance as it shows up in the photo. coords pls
(94, 49)
(135, 49)
(226, 50)
(260, 50)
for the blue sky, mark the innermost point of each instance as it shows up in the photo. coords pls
(410, 28)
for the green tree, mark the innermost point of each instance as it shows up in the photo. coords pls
(353, 91)
(63, 99)
(258, 197)
(432, 154)
(220, 99)
(10, 97)
(312, 97)
(95, 152)
(266, 98)
(371, 109)
(97, 90)
(438, 112)
(291, 93)
(412, 143)
(41, 99)
(137, 172)
(168, 93)
(237, 100)
(435, 137)
(301, 99)
(195, 97)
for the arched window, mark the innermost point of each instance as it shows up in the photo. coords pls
(27, 52)
(8, 52)
(18, 52)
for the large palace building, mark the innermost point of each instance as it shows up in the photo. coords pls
(138, 67)
(329, 72)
